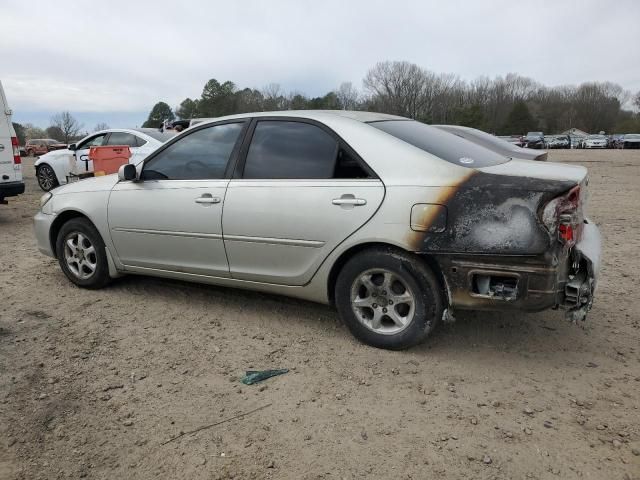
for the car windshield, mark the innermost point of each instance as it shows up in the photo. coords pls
(632, 135)
(596, 137)
(534, 134)
(444, 145)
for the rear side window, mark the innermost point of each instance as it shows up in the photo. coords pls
(283, 149)
(140, 142)
(201, 155)
(122, 138)
(444, 145)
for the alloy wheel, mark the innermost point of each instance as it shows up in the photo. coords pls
(382, 301)
(80, 255)
(46, 178)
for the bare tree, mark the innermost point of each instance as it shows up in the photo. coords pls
(67, 124)
(397, 87)
(348, 96)
(274, 98)
(100, 126)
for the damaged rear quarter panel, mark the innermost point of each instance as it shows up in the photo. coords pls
(493, 215)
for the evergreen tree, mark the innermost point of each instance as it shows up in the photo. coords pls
(159, 113)
(520, 119)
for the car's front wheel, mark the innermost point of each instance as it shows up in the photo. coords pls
(47, 179)
(388, 298)
(81, 254)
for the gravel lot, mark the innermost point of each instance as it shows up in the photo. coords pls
(93, 383)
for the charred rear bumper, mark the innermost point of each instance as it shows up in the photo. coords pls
(495, 282)
(581, 285)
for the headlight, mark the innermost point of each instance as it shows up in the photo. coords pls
(45, 198)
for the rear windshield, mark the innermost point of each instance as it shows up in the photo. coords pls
(444, 145)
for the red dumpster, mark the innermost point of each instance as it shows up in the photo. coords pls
(108, 159)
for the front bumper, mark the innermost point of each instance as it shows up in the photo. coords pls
(42, 226)
(11, 189)
(528, 283)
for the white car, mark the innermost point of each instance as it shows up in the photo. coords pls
(595, 141)
(53, 168)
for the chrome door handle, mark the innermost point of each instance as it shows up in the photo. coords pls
(349, 201)
(208, 198)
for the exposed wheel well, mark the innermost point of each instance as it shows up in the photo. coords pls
(61, 219)
(346, 255)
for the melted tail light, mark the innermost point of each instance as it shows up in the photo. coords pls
(563, 215)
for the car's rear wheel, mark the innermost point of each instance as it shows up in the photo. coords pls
(81, 254)
(388, 298)
(46, 177)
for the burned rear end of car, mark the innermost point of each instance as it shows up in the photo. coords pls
(516, 242)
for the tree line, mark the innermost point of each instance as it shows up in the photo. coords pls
(512, 104)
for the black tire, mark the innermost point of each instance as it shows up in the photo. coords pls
(47, 179)
(98, 259)
(419, 279)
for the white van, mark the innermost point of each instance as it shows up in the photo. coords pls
(11, 183)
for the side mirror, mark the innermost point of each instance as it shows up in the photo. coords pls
(72, 147)
(127, 172)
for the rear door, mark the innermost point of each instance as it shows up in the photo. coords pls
(9, 170)
(300, 192)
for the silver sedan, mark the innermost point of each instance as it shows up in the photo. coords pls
(396, 223)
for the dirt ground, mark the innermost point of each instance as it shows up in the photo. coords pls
(93, 383)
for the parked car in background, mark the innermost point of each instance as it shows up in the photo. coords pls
(11, 183)
(558, 141)
(611, 140)
(628, 140)
(595, 141)
(492, 142)
(534, 140)
(39, 146)
(394, 222)
(576, 141)
(53, 169)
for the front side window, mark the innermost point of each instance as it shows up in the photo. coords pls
(284, 149)
(203, 154)
(122, 138)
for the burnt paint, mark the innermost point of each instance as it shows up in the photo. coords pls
(493, 214)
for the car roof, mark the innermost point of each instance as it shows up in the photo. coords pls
(364, 117)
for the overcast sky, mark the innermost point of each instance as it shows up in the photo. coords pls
(111, 61)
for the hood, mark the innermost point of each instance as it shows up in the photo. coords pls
(95, 184)
(540, 171)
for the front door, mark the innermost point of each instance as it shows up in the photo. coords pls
(171, 219)
(302, 192)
